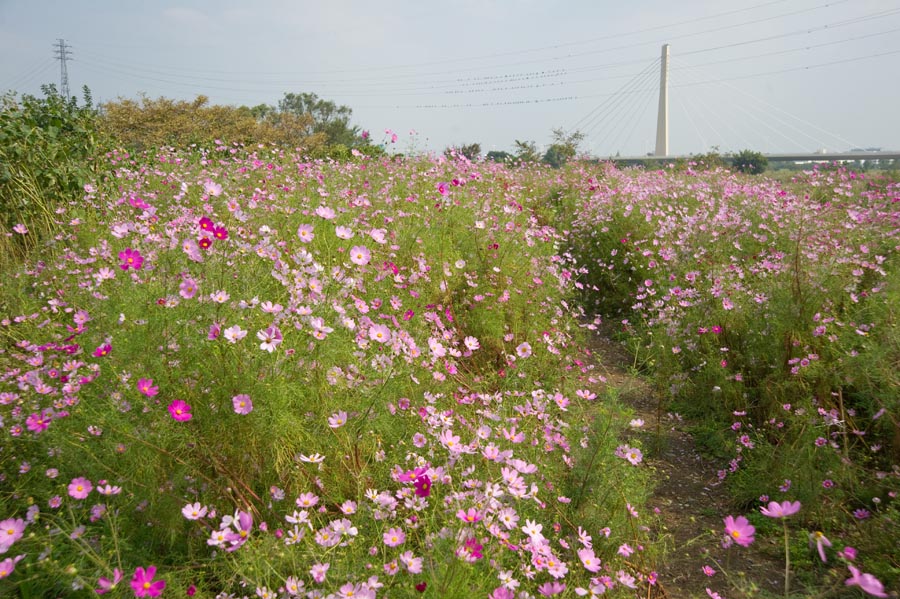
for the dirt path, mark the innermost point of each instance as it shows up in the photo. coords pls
(690, 502)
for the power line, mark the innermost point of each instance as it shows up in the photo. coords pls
(510, 53)
(38, 66)
(417, 76)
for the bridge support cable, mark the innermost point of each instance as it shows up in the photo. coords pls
(622, 110)
(762, 122)
(690, 120)
(715, 114)
(639, 112)
(757, 102)
(612, 110)
(586, 119)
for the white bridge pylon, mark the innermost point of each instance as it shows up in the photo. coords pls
(662, 119)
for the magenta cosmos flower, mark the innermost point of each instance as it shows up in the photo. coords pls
(180, 410)
(739, 530)
(102, 350)
(780, 510)
(143, 584)
(80, 487)
(131, 259)
(147, 387)
(423, 486)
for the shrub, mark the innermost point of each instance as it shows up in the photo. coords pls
(750, 162)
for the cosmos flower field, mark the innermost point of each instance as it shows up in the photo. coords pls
(238, 372)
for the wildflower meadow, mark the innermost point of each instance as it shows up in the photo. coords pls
(234, 371)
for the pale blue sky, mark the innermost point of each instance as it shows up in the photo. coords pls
(772, 75)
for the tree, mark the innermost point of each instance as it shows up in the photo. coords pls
(327, 118)
(563, 148)
(499, 156)
(750, 162)
(526, 151)
(470, 151)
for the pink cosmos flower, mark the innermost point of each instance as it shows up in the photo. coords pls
(337, 420)
(102, 350)
(271, 338)
(187, 289)
(394, 537)
(590, 561)
(147, 387)
(739, 530)
(343, 232)
(551, 588)
(206, 224)
(307, 500)
(442, 188)
(38, 423)
(131, 259)
(523, 350)
(11, 530)
(848, 553)
(242, 404)
(213, 189)
(318, 572)
(8, 565)
(866, 582)
(220, 233)
(380, 333)
(234, 333)
(194, 511)
(180, 410)
(143, 585)
(80, 487)
(107, 585)
(471, 515)
(360, 255)
(305, 233)
(243, 523)
(780, 510)
(470, 551)
(821, 541)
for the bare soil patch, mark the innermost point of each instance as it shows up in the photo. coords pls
(690, 501)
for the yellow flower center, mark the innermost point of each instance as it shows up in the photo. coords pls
(146, 585)
(735, 534)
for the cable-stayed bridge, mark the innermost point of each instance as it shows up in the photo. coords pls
(779, 123)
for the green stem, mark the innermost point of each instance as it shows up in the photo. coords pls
(787, 560)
